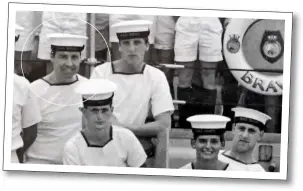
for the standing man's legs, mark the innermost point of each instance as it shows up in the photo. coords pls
(26, 42)
(186, 42)
(164, 46)
(210, 54)
(163, 56)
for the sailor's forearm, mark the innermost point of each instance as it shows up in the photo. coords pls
(145, 130)
(151, 129)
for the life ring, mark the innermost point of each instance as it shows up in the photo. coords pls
(270, 49)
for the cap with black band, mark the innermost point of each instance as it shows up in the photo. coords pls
(251, 116)
(132, 29)
(67, 42)
(96, 92)
(208, 124)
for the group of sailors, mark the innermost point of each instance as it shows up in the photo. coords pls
(65, 118)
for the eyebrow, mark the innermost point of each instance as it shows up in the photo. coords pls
(99, 109)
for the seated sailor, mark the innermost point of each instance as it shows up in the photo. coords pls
(101, 143)
(208, 140)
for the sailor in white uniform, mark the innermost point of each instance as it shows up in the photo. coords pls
(248, 129)
(26, 115)
(141, 87)
(59, 105)
(208, 139)
(100, 143)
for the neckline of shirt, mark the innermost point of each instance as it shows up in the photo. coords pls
(125, 73)
(224, 153)
(98, 146)
(61, 84)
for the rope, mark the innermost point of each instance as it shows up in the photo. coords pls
(175, 66)
(182, 102)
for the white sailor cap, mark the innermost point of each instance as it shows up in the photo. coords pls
(208, 124)
(67, 42)
(96, 92)
(132, 29)
(250, 116)
(18, 30)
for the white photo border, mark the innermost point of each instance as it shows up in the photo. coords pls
(13, 7)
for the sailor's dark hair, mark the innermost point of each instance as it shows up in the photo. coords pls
(87, 102)
(54, 49)
(85, 105)
(145, 40)
(53, 53)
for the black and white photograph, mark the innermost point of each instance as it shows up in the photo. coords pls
(147, 91)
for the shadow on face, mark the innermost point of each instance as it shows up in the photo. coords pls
(97, 117)
(133, 50)
(246, 137)
(66, 63)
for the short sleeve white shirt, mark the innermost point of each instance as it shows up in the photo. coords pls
(238, 165)
(61, 118)
(137, 93)
(123, 150)
(25, 110)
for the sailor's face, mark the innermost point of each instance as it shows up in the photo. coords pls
(246, 137)
(133, 50)
(66, 63)
(98, 117)
(207, 146)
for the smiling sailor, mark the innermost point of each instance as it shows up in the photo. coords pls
(59, 105)
(208, 139)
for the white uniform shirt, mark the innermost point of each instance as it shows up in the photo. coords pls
(123, 150)
(61, 119)
(25, 110)
(238, 165)
(136, 93)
